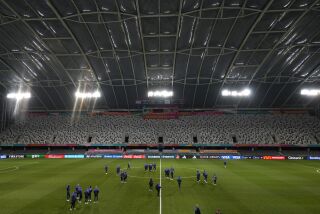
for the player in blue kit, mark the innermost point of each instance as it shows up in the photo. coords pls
(68, 192)
(171, 173)
(90, 193)
(96, 194)
(198, 176)
(197, 210)
(77, 190)
(146, 167)
(150, 167)
(205, 176)
(125, 177)
(167, 172)
(73, 201)
(86, 196)
(121, 176)
(214, 179)
(150, 184)
(179, 180)
(80, 194)
(158, 188)
(154, 166)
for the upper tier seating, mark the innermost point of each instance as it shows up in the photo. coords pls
(215, 129)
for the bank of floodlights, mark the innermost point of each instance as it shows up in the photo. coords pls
(310, 92)
(88, 95)
(234, 93)
(19, 95)
(163, 93)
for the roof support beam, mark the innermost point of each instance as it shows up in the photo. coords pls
(142, 41)
(74, 38)
(276, 45)
(241, 46)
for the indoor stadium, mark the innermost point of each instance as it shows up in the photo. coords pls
(160, 106)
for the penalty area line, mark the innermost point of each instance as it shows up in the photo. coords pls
(9, 169)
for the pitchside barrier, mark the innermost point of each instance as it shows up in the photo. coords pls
(157, 156)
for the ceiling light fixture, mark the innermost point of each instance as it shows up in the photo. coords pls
(19, 95)
(243, 93)
(88, 95)
(163, 93)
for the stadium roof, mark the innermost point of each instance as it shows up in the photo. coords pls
(127, 47)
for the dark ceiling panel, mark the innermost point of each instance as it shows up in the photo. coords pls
(195, 47)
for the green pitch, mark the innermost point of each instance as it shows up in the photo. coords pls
(37, 186)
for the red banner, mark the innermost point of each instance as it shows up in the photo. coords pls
(274, 157)
(54, 156)
(134, 156)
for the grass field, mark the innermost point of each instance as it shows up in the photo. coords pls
(246, 186)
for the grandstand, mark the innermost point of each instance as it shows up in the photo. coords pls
(208, 129)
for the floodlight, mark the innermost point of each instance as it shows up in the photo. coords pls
(88, 95)
(19, 95)
(244, 93)
(163, 93)
(310, 92)
(150, 94)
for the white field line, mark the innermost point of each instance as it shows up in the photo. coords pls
(9, 169)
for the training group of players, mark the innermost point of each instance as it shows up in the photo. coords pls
(169, 174)
(77, 195)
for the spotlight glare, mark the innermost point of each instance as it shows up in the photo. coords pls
(310, 92)
(19, 95)
(225, 93)
(150, 94)
(244, 93)
(163, 93)
(88, 95)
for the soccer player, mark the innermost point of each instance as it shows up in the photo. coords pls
(154, 166)
(96, 194)
(90, 193)
(150, 184)
(121, 176)
(197, 210)
(73, 200)
(150, 167)
(171, 173)
(166, 172)
(158, 187)
(129, 165)
(214, 179)
(198, 176)
(68, 192)
(205, 176)
(146, 167)
(225, 164)
(86, 196)
(77, 190)
(80, 194)
(125, 176)
(106, 169)
(179, 180)
(118, 170)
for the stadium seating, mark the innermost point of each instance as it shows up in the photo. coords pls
(215, 129)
